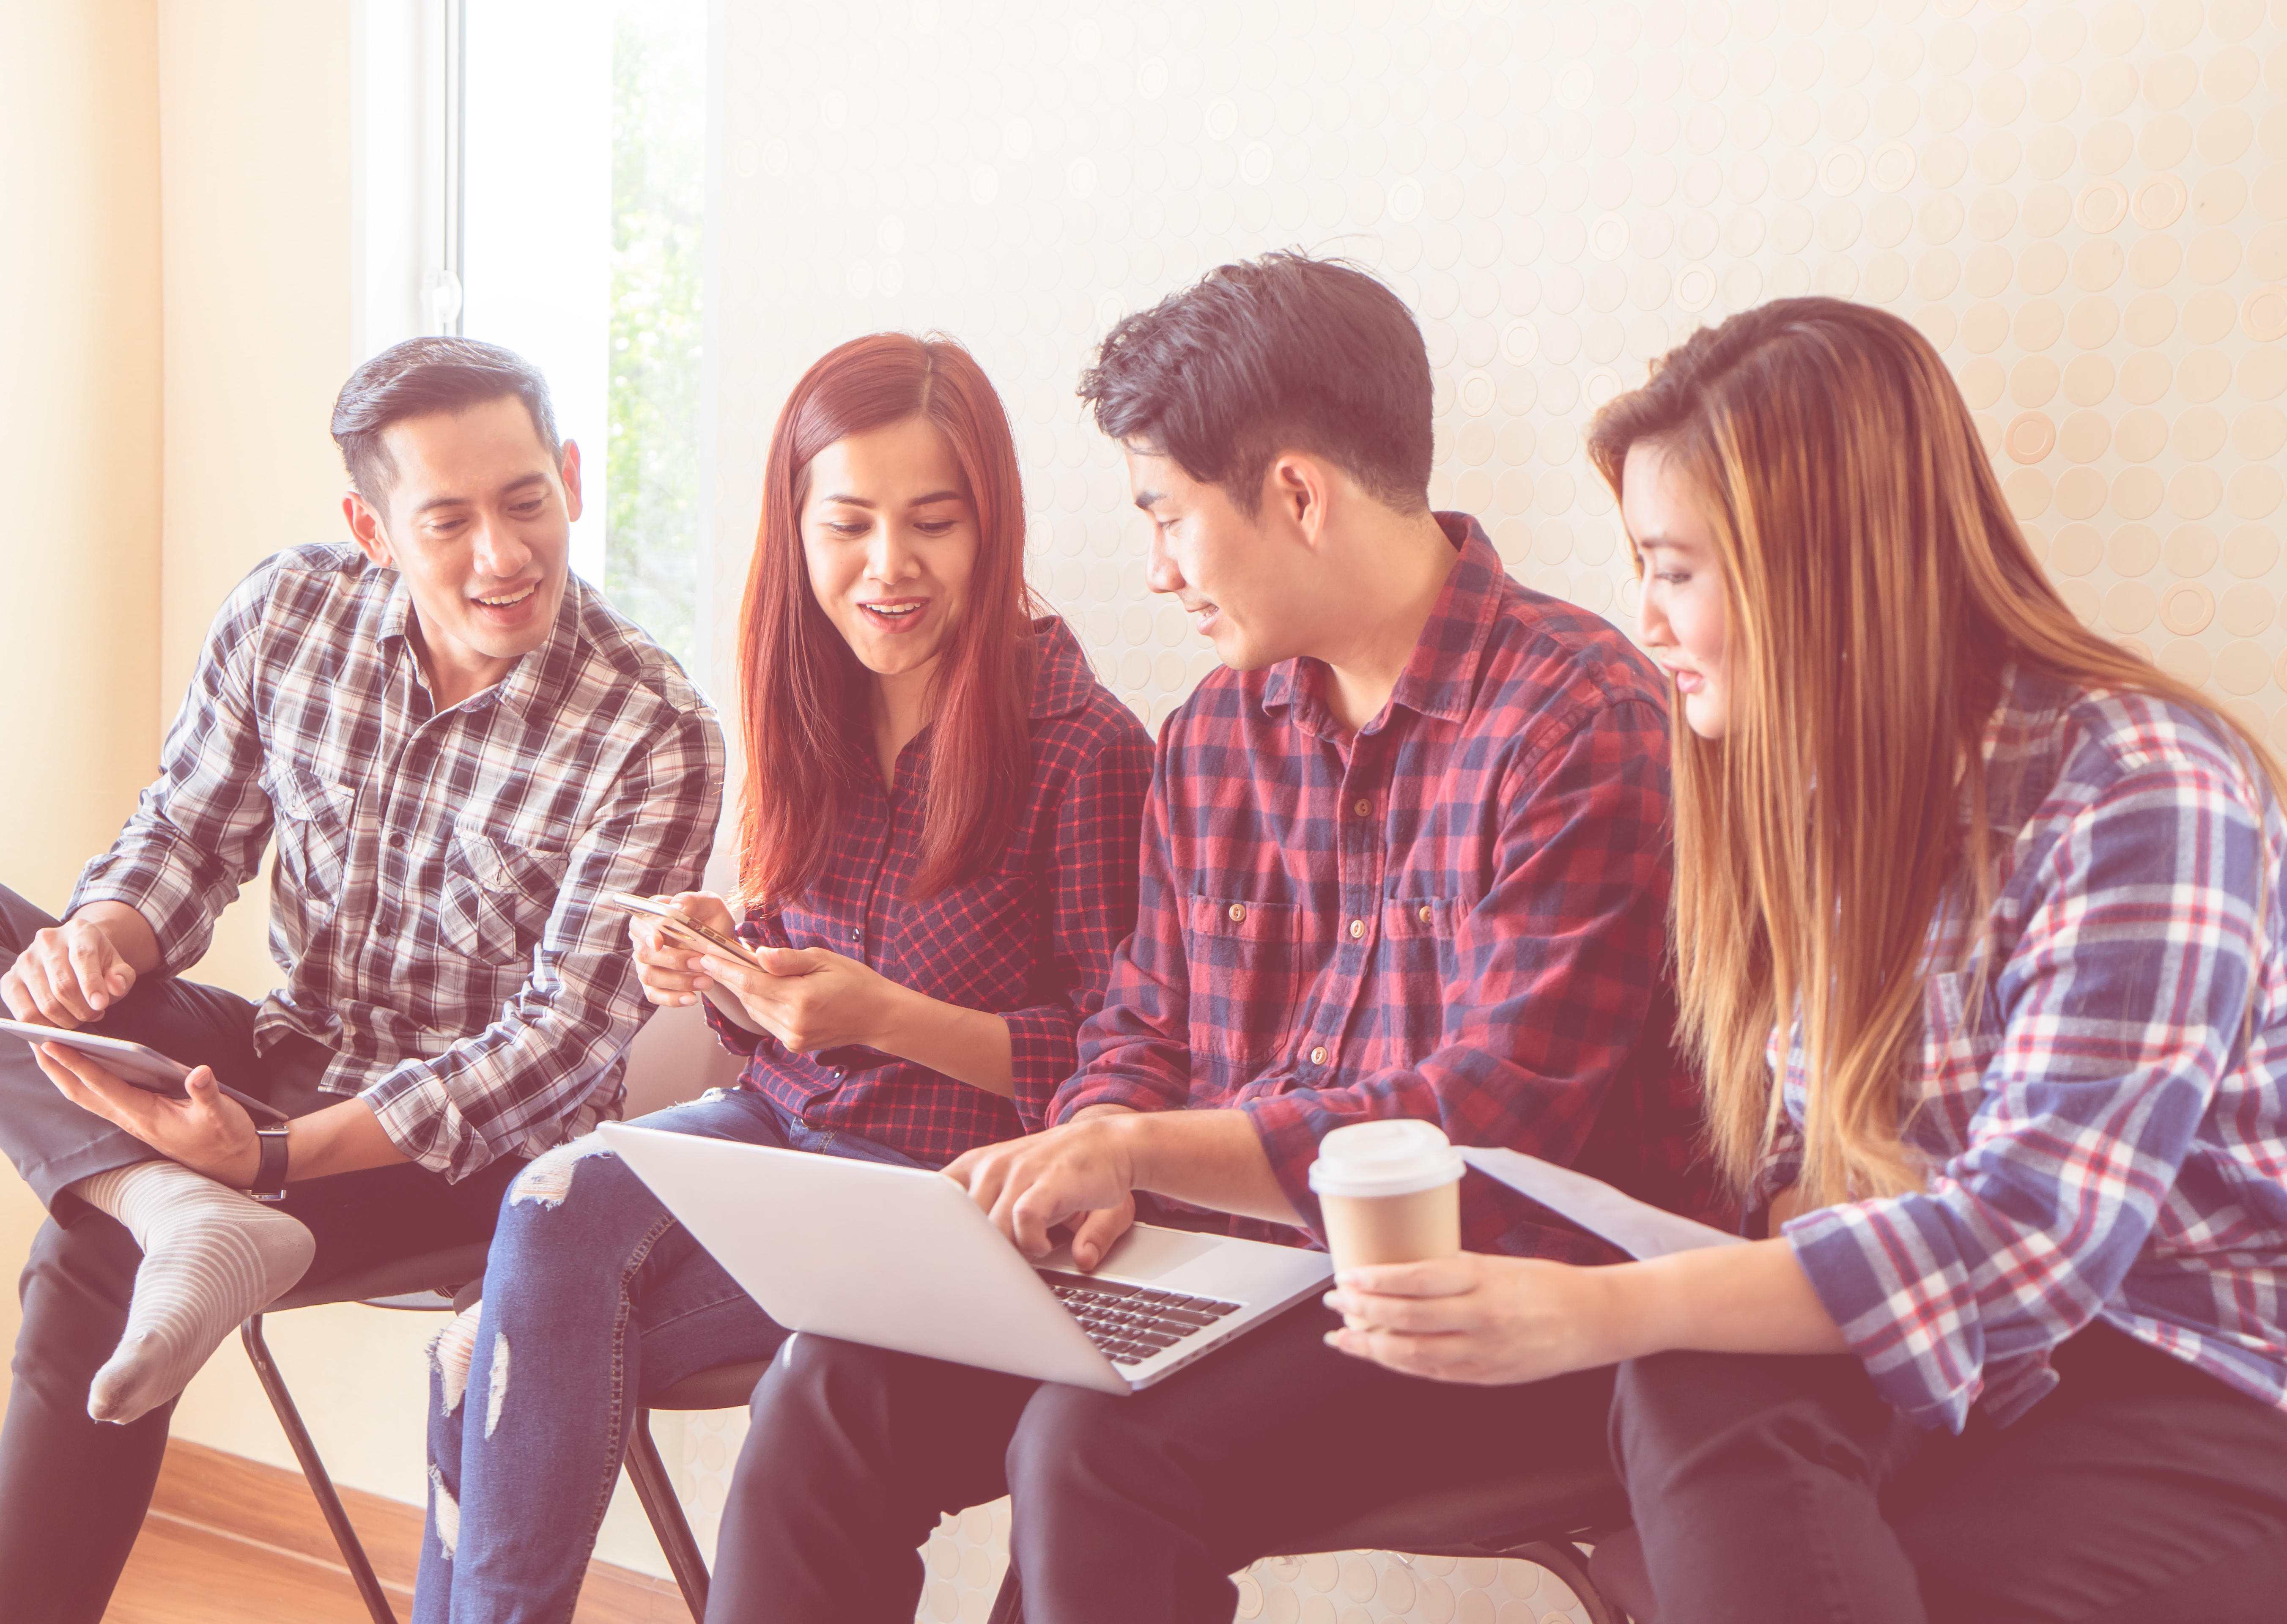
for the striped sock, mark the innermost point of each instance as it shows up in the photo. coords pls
(210, 1257)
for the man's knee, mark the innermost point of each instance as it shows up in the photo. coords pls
(74, 1290)
(1072, 1443)
(20, 921)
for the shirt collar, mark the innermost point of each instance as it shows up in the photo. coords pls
(531, 680)
(1062, 681)
(1440, 674)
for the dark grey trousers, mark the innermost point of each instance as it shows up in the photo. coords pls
(73, 1491)
(2140, 1491)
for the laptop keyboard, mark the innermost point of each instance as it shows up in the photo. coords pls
(1131, 1323)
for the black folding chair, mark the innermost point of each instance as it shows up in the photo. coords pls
(726, 1387)
(1543, 1519)
(431, 1282)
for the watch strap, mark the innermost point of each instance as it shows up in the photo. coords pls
(270, 1173)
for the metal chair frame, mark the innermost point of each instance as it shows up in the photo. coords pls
(1518, 1523)
(431, 1283)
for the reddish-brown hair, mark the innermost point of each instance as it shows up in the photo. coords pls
(803, 691)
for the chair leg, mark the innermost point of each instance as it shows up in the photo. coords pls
(656, 1490)
(314, 1472)
(1009, 1601)
(1563, 1560)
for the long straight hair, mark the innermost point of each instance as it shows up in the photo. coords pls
(1876, 586)
(803, 690)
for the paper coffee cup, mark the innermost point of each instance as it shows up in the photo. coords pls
(1391, 1193)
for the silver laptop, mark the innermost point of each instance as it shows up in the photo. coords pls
(898, 1258)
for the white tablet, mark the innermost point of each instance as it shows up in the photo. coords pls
(145, 1067)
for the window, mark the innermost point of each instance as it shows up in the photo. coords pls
(534, 174)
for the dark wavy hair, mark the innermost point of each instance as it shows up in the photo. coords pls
(1284, 352)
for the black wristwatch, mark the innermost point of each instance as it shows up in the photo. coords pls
(270, 1172)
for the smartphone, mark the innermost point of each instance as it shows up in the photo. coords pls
(146, 1068)
(699, 937)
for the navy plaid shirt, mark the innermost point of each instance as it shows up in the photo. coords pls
(1456, 914)
(1031, 940)
(2102, 1105)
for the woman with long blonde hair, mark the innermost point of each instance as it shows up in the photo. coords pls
(1979, 939)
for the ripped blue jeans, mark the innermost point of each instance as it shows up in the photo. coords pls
(594, 1298)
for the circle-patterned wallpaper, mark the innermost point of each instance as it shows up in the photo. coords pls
(2083, 203)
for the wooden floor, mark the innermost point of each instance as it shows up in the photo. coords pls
(229, 1541)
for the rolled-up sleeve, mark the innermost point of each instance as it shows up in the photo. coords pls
(1088, 888)
(517, 1086)
(2110, 1025)
(1134, 1051)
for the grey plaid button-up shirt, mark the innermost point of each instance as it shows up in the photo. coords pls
(433, 898)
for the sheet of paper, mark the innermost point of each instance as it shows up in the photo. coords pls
(1637, 1227)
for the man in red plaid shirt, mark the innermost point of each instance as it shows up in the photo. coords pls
(1405, 857)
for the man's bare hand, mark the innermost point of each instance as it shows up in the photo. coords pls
(209, 1133)
(1080, 1171)
(68, 975)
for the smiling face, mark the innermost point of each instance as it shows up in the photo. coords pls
(1222, 566)
(1682, 616)
(890, 534)
(478, 525)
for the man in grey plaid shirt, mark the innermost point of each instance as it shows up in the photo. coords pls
(457, 747)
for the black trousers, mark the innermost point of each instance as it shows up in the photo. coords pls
(1126, 1508)
(73, 1491)
(2140, 1491)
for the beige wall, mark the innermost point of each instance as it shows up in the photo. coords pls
(219, 131)
(79, 452)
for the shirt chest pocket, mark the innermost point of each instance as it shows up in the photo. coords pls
(496, 896)
(313, 831)
(1252, 964)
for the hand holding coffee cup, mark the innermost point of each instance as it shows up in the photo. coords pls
(1390, 1192)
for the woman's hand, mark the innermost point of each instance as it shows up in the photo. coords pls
(1489, 1320)
(808, 998)
(668, 971)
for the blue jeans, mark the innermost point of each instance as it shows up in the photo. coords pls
(595, 1298)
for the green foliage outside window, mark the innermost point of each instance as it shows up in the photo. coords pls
(658, 206)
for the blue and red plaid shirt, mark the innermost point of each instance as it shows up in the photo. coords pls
(2104, 1124)
(1457, 913)
(1031, 940)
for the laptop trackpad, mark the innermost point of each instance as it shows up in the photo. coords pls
(1144, 1254)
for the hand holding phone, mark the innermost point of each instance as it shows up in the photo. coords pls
(676, 924)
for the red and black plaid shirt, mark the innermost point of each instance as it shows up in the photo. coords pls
(1455, 914)
(1031, 940)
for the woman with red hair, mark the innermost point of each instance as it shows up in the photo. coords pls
(938, 856)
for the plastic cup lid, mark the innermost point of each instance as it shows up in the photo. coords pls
(1398, 1157)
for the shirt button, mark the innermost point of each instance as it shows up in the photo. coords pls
(837, 1074)
(1363, 807)
(1424, 914)
(397, 842)
(1238, 913)
(857, 935)
(1318, 1055)
(1357, 928)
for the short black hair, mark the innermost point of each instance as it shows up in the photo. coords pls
(1282, 353)
(421, 376)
